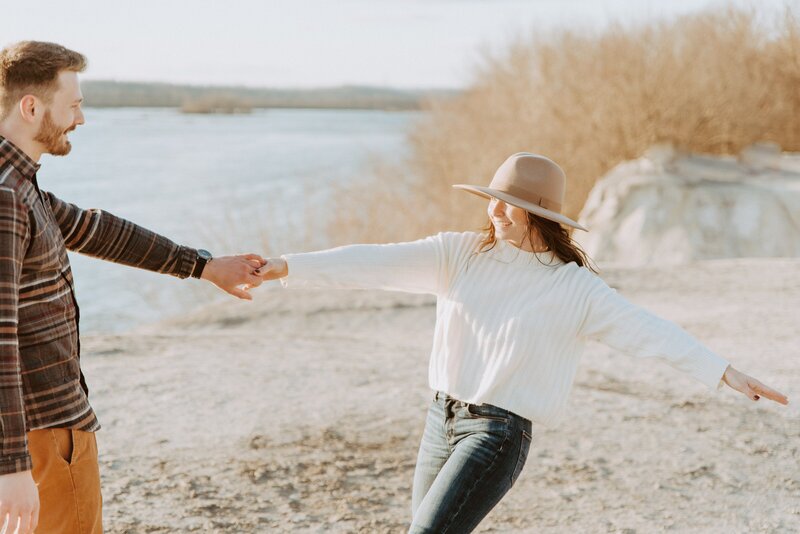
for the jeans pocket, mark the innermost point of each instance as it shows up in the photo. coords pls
(486, 411)
(64, 444)
(524, 448)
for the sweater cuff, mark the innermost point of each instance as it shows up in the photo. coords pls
(710, 368)
(301, 270)
(15, 464)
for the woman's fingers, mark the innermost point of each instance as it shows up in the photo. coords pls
(751, 387)
(272, 270)
(255, 257)
(760, 389)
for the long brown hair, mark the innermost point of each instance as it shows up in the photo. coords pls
(554, 236)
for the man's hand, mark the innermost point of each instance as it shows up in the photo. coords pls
(751, 387)
(19, 502)
(230, 272)
(273, 269)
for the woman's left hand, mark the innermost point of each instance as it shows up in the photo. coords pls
(273, 269)
(751, 387)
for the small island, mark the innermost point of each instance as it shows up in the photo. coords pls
(217, 104)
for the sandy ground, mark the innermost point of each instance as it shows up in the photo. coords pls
(302, 411)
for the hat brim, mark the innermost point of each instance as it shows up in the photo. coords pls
(487, 192)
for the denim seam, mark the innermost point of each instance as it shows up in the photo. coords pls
(519, 455)
(477, 481)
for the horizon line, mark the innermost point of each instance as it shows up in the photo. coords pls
(277, 87)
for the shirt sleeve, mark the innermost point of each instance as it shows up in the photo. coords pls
(414, 267)
(102, 235)
(616, 322)
(14, 240)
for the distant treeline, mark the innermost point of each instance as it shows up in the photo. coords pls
(203, 99)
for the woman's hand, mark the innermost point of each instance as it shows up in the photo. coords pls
(274, 269)
(751, 387)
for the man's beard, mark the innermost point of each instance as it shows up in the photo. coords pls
(53, 137)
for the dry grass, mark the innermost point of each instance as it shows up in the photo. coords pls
(712, 82)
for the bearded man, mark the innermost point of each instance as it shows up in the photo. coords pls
(46, 422)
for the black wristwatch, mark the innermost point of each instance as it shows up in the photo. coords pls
(203, 257)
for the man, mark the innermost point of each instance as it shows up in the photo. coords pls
(46, 423)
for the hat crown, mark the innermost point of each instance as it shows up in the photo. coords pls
(532, 178)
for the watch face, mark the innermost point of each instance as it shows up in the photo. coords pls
(204, 254)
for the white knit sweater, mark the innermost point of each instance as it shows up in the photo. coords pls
(510, 325)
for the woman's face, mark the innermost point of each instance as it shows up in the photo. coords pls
(510, 222)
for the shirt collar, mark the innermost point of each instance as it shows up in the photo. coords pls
(10, 154)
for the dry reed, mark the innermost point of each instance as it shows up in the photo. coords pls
(713, 82)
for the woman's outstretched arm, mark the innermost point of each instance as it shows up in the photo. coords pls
(415, 267)
(614, 321)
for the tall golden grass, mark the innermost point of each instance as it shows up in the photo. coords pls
(712, 82)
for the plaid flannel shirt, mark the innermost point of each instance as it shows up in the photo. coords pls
(41, 384)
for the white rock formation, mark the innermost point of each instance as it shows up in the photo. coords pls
(670, 208)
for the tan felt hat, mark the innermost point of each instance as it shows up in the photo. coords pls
(531, 182)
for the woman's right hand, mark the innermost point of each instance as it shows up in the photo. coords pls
(274, 269)
(751, 387)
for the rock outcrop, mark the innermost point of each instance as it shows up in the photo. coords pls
(668, 207)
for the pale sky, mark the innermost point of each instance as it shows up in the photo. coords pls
(306, 43)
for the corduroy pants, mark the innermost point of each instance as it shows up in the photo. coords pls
(66, 470)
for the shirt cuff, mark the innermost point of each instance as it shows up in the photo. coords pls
(16, 464)
(187, 262)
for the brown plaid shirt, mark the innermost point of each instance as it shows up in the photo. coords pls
(41, 384)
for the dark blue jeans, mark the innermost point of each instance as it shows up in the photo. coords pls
(470, 456)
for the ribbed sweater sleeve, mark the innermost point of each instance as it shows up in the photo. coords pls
(414, 267)
(616, 322)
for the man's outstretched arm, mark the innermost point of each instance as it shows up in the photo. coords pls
(103, 235)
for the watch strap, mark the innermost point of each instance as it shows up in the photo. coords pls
(201, 260)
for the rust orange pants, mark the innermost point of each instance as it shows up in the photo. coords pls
(66, 470)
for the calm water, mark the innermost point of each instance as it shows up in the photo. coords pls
(217, 182)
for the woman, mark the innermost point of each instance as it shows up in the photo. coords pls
(515, 306)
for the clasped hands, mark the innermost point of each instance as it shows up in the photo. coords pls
(236, 275)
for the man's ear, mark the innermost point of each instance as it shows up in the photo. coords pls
(28, 108)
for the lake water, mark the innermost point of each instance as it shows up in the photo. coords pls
(221, 182)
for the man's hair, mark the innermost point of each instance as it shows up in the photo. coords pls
(32, 68)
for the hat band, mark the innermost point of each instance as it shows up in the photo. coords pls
(533, 198)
